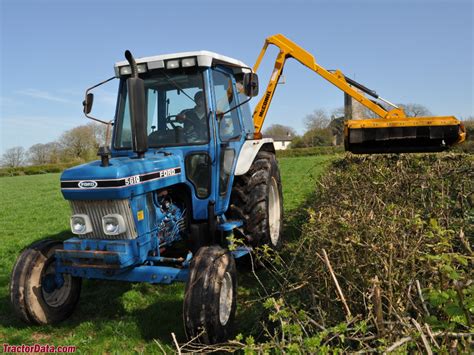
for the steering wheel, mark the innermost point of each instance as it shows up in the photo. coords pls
(172, 122)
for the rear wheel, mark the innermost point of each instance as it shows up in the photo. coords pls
(210, 298)
(38, 294)
(257, 199)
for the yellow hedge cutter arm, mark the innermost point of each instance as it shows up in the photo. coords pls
(392, 132)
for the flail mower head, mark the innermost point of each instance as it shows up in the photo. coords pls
(402, 135)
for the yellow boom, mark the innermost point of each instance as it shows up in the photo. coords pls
(394, 132)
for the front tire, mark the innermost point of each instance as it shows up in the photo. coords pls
(210, 298)
(38, 295)
(257, 199)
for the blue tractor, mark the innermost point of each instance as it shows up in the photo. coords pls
(185, 187)
(188, 184)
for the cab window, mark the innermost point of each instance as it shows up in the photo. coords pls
(176, 110)
(228, 120)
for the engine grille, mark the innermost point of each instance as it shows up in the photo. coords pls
(97, 209)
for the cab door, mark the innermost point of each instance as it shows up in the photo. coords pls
(229, 134)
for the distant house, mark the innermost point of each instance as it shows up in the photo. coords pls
(280, 142)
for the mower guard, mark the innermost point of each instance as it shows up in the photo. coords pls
(402, 135)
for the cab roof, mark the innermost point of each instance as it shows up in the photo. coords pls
(203, 58)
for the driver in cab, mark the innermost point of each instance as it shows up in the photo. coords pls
(195, 120)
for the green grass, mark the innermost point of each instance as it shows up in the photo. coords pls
(111, 316)
(299, 176)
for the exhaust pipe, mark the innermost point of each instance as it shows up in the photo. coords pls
(137, 104)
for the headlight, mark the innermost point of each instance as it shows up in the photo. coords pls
(126, 70)
(172, 64)
(188, 62)
(113, 224)
(81, 224)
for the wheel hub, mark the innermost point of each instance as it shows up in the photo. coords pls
(274, 212)
(55, 288)
(225, 299)
(49, 283)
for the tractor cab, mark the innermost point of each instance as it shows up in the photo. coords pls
(185, 94)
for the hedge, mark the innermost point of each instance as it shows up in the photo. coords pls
(36, 169)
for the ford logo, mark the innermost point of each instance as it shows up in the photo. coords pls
(87, 184)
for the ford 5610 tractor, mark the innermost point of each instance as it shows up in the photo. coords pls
(182, 175)
(188, 184)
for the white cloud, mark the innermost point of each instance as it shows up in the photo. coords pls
(44, 95)
(72, 92)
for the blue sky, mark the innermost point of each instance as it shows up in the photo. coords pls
(51, 51)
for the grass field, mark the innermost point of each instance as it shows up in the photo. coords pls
(111, 316)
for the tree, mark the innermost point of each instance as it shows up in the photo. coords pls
(338, 112)
(318, 137)
(278, 130)
(415, 110)
(80, 142)
(54, 152)
(469, 126)
(314, 138)
(38, 154)
(44, 153)
(316, 120)
(411, 110)
(14, 157)
(297, 142)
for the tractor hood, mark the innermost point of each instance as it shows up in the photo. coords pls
(123, 178)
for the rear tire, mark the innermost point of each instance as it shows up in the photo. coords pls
(210, 298)
(34, 291)
(257, 200)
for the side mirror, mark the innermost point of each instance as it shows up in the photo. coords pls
(87, 103)
(250, 83)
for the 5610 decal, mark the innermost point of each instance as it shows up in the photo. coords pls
(132, 180)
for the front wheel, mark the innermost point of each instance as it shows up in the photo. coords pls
(210, 298)
(38, 294)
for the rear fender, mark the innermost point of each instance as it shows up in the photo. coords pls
(249, 151)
